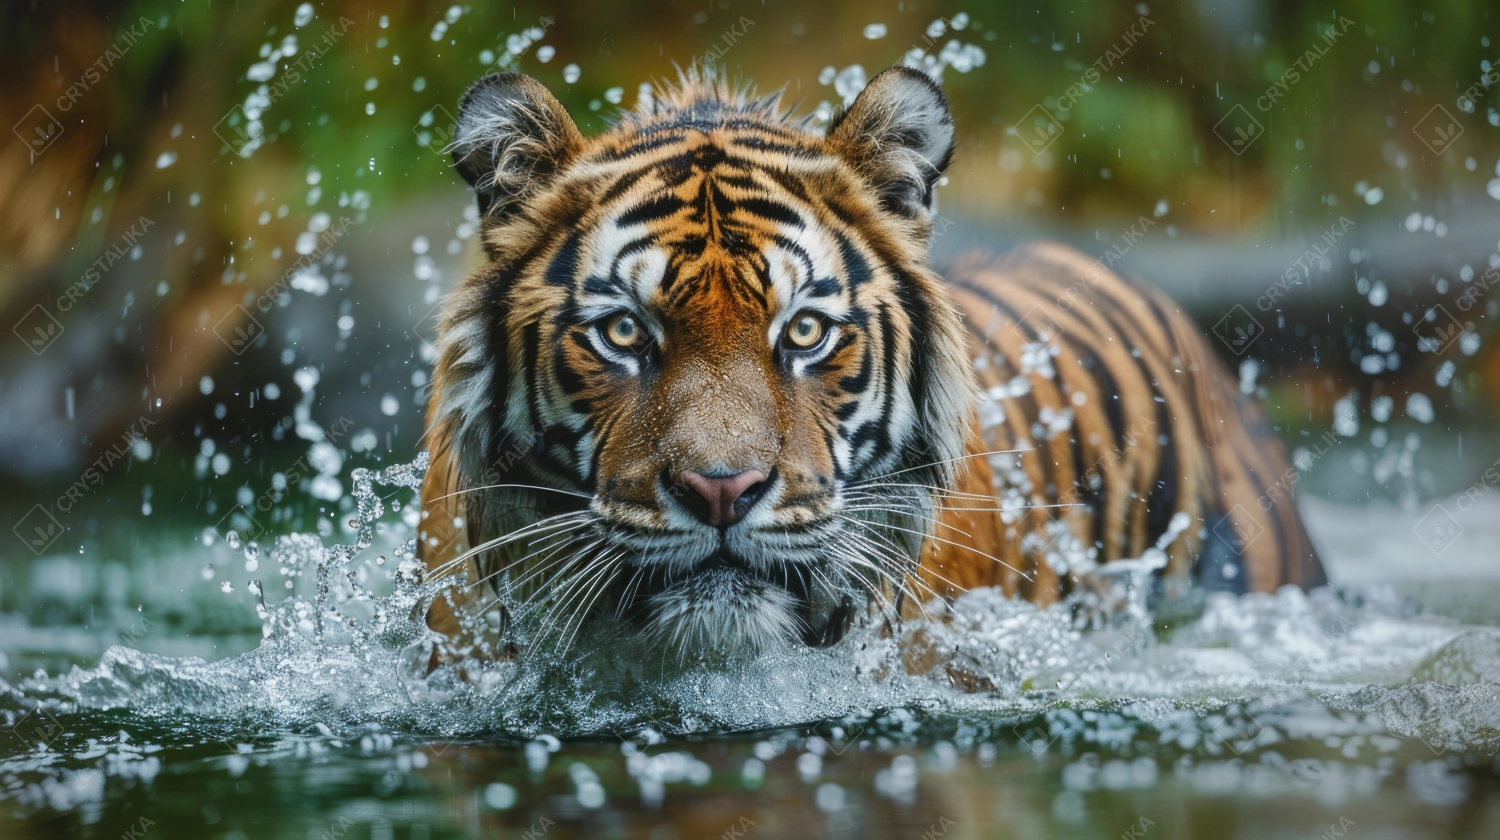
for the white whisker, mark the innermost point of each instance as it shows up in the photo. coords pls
(559, 523)
(941, 540)
(510, 486)
(947, 461)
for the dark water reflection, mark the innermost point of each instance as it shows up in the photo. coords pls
(943, 780)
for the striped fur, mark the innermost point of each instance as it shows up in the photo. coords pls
(711, 221)
(1114, 416)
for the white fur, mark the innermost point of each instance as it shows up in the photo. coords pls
(723, 609)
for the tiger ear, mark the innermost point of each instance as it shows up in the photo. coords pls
(898, 135)
(511, 138)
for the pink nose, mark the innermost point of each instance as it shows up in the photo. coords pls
(721, 502)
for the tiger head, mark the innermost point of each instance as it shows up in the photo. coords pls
(712, 337)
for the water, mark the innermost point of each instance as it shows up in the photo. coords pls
(1376, 704)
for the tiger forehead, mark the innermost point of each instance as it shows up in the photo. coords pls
(707, 140)
(672, 263)
(700, 185)
(689, 213)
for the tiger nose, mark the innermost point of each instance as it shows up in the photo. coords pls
(722, 501)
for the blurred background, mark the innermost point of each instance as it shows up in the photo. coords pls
(225, 227)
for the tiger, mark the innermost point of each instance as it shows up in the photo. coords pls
(708, 389)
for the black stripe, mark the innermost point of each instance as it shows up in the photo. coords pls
(650, 142)
(570, 380)
(621, 186)
(825, 287)
(1162, 499)
(919, 329)
(1104, 379)
(676, 169)
(653, 209)
(1104, 382)
(773, 210)
(854, 262)
(829, 441)
(601, 431)
(531, 344)
(787, 181)
(763, 145)
(615, 283)
(878, 430)
(563, 268)
(795, 249)
(861, 379)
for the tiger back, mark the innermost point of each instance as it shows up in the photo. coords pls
(1107, 417)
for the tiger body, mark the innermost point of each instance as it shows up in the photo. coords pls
(707, 383)
(1108, 417)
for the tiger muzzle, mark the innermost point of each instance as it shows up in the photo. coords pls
(721, 501)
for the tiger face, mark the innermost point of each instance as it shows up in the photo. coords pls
(712, 334)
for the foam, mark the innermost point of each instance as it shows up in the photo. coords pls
(345, 660)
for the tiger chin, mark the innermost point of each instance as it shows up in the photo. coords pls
(707, 390)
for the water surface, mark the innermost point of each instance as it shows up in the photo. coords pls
(1370, 709)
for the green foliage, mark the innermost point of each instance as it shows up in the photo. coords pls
(1149, 118)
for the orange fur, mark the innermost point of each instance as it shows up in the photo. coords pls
(1070, 416)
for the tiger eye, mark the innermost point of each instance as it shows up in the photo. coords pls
(623, 331)
(804, 331)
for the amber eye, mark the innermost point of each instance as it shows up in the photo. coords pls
(623, 331)
(805, 331)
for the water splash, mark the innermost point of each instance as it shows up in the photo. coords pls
(343, 660)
